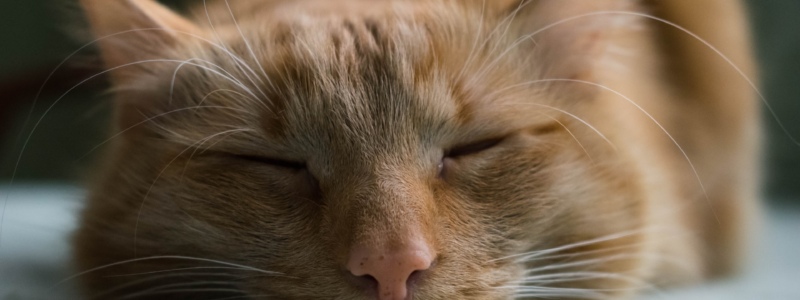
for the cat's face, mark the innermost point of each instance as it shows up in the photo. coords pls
(388, 151)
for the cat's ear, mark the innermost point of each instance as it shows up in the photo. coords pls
(134, 30)
(567, 39)
(133, 35)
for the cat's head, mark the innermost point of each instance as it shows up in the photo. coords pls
(363, 148)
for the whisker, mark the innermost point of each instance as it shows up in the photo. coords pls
(144, 200)
(260, 103)
(176, 270)
(508, 22)
(505, 21)
(581, 253)
(676, 26)
(165, 257)
(597, 240)
(172, 291)
(638, 107)
(50, 108)
(196, 149)
(638, 284)
(574, 138)
(543, 292)
(669, 259)
(153, 278)
(474, 47)
(247, 43)
(581, 263)
(189, 62)
(238, 61)
(149, 119)
(664, 130)
(244, 297)
(81, 48)
(579, 120)
(727, 60)
(171, 288)
(208, 95)
(530, 36)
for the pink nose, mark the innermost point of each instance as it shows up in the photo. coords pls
(392, 269)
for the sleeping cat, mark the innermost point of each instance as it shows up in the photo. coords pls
(439, 149)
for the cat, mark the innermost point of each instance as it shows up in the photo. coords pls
(439, 149)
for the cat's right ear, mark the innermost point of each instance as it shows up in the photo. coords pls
(129, 31)
(133, 36)
(568, 41)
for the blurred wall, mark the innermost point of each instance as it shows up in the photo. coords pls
(777, 34)
(33, 42)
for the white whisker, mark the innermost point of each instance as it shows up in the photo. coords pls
(574, 138)
(672, 24)
(238, 61)
(179, 269)
(247, 43)
(141, 206)
(172, 291)
(585, 262)
(475, 43)
(579, 120)
(209, 94)
(245, 297)
(505, 21)
(189, 62)
(205, 286)
(165, 257)
(150, 119)
(605, 238)
(727, 60)
(653, 119)
(159, 277)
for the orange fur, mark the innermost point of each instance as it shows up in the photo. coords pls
(533, 146)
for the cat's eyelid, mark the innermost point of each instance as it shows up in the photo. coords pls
(473, 147)
(277, 162)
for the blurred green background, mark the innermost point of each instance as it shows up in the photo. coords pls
(32, 43)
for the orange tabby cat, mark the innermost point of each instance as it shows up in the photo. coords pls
(441, 149)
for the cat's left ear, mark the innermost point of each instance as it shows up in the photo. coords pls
(134, 30)
(566, 39)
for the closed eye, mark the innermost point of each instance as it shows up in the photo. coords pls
(473, 148)
(281, 163)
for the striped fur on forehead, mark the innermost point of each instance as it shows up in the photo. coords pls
(365, 82)
(431, 60)
(380, 73)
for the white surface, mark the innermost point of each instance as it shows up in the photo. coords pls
(34, 251)
(775, 272)
(34, 241)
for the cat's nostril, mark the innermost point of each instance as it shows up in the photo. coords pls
(363, 282)
(393, 273)
(412, 279)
